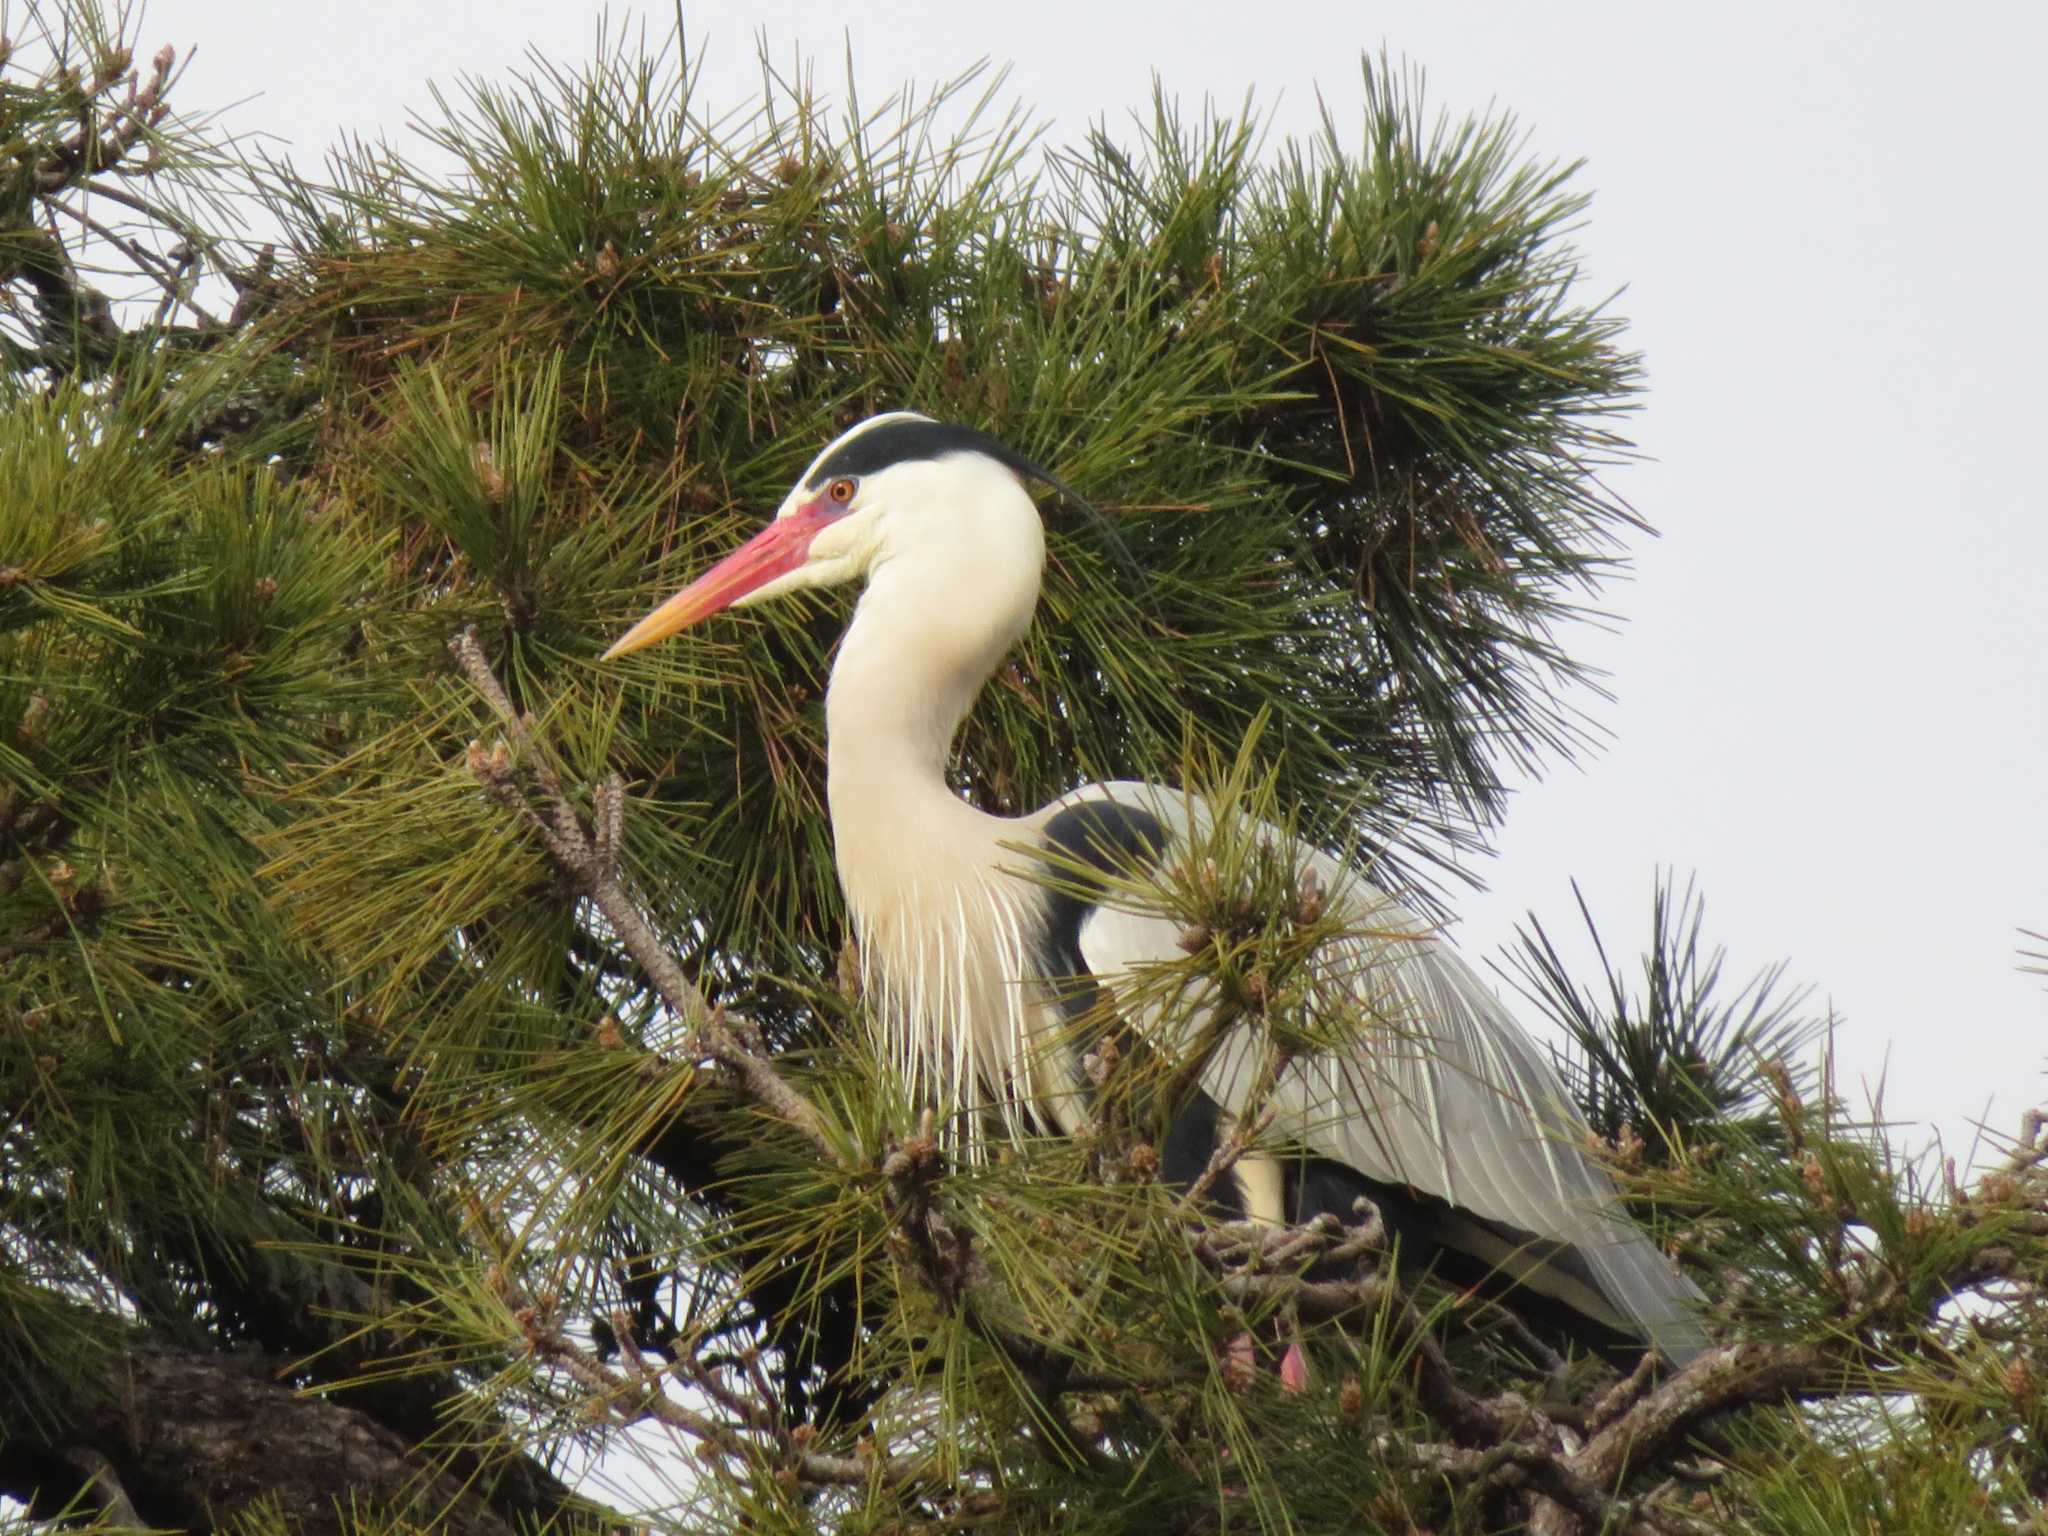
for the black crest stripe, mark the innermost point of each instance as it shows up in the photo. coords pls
(902, 442)
(914, 438)
(911, 438)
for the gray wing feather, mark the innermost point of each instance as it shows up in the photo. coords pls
(1444, 1093)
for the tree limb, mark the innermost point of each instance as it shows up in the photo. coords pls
(158, 1435)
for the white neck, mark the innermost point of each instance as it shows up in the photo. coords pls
(951, 586)
(909, 668)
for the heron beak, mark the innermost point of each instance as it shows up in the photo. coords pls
(775, 551)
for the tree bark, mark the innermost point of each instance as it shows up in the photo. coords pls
(187, 1439)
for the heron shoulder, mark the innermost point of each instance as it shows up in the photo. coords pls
(1088, 835)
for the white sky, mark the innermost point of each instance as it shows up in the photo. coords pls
(1832, 686)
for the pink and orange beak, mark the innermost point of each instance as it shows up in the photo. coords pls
(775, 551)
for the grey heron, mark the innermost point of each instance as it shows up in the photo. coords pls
(1454, 1124)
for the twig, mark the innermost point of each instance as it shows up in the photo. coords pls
(1228, 1151)
(640, 1395)
(1617, 1399)
(172, 277)
(1244, 1131)
(1554, 1364)
(190, 233)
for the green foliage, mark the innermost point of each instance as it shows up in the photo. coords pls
(312, 1059)
(1653, 1065)
(1164, 324)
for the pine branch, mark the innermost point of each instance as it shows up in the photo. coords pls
(100, 146)
(588, 860)
(1501, 1443)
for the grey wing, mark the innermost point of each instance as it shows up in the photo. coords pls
(1444, 1093)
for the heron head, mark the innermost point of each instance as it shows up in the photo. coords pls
(894, 483)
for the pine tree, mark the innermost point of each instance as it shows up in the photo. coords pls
(433, 1090)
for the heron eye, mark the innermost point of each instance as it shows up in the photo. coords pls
(840, 491)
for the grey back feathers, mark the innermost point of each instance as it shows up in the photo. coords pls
(1443, 1099)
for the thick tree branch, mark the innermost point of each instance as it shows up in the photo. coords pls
(186, 1439)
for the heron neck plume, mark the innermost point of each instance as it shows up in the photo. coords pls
(939, 917)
